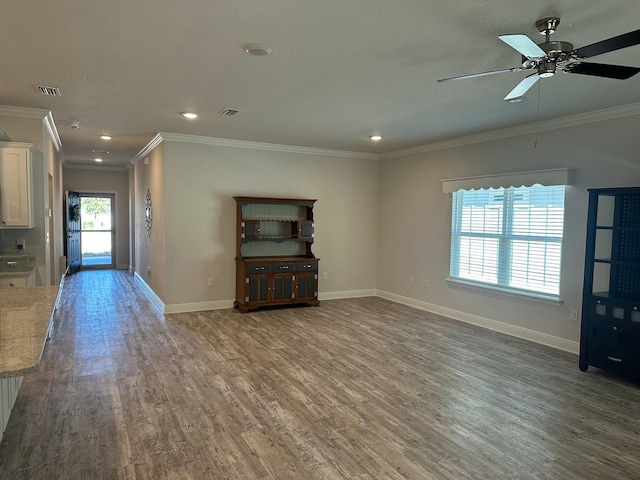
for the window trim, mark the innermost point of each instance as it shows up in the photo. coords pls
(506, 291)
(548, 177)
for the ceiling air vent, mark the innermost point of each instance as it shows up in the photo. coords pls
(54, 91)
(228, 112)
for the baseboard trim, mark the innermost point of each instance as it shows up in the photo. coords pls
(198, 306)
(513, 330)
(346, 294)
(150, 293)
(222, 304)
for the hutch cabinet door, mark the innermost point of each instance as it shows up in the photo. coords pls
(250, 229)
(283, 287)
(257, 289)
(307, 285)
(305, 230)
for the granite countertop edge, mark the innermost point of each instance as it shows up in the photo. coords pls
(17, 273)
(43, 302)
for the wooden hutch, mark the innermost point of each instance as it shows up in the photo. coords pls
(274, 262)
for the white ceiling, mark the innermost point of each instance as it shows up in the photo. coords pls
(339, 71)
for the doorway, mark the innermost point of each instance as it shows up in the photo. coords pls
(97, 230)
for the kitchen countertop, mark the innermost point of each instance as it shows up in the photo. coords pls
(26, 315)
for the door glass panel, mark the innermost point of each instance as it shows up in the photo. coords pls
(96, 215)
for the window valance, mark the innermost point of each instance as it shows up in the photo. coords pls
(555, 176)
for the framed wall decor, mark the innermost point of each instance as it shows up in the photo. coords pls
(148, 212)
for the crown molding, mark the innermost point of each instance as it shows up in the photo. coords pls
(554, 124)
(50, 127)
(272, 147)
(23, 112)
(18, 145)
(155, 141)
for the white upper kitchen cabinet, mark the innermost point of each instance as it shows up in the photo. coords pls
(16, 185)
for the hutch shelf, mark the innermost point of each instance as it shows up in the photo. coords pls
(274, 262)
(610, 330)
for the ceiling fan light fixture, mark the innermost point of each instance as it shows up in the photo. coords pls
(547, 69)
(189, 115)
(105, 137)
(97, 160)
(376, 138)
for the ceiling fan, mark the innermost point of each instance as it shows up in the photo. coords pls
(546, 58)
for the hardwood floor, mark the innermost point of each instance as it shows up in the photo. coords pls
(356, 389)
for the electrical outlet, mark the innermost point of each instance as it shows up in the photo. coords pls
(574, 314)
(410, 280)
(210, 282)
(325, 276)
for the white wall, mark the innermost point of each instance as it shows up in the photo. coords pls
(106, 181)
(415, 219)
(150, 251)
(201, 180)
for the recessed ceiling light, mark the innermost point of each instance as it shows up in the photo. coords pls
(105, 137)
(97, 160)
(257, 50)
(375, 138)
(189, 115)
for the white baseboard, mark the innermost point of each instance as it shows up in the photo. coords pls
(513, 330)
(180, 307)
(198, 306)
(150, 293)
(222, 304)
(346, 294)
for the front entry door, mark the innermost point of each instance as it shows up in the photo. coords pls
(97, 232)
(72, 227)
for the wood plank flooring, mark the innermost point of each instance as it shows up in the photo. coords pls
(355, 389)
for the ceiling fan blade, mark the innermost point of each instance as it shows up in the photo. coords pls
(618, 72)
(482, 74)
(609, 45)
(523, 86)
(524, 45)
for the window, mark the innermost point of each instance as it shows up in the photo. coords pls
(509, 237)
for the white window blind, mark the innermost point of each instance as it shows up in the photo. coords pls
(509, 237)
